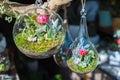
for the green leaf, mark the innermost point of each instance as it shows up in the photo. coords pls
(83, 64)
(58, 28)
(40, 39)
(92, 53)
(49, 33)
(2, 9)
(32, 31)
(1, 67)
(87, 59)
(80, 57)
(8, 18)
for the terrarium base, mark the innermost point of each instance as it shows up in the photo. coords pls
(42, 49)
(79, 69)
(41, 55)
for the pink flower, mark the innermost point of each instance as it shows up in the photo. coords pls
(117, 41)
(82, 51)
(41, 18)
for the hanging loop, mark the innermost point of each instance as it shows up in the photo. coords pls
(83, 12)
(83, 4)
(38, 3)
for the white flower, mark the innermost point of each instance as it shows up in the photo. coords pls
(32, 39)
(77, 61)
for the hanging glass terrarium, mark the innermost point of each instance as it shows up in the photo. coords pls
(83, 55)
(61, 57)
(38, 33)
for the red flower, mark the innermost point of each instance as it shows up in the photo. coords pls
(117, 41)
(82, 51)
(41, 18)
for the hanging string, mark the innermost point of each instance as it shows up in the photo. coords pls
(83, 16)
(82, 12)
(83, 19)
(83, 5)
(38, 3)
(48, 0)
(66, 21)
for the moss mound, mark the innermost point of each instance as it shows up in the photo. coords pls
(39, 46)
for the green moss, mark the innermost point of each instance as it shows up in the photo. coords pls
(79, 69)
(39, 46)
(4, 67)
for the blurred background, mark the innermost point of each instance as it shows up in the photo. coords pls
(103, 23)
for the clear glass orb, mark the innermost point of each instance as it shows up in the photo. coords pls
(38, 33)
(61, 57)
(83, 57)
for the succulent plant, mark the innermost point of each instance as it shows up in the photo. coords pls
(116, 33)
(115, 46)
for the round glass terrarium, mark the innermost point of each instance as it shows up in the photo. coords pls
(83, 57)
(61, 57)
(38, 33)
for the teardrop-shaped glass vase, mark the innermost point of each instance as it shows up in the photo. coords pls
(84, 57)
(61, 57)
(38, 33)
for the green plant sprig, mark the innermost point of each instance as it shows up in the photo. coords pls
(6, 9)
